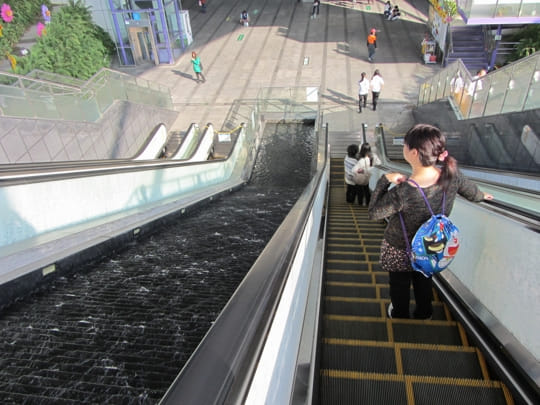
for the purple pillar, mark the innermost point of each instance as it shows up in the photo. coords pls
(118, 33)
(494, 53)
(165, 30)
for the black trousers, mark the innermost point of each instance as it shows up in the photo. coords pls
(362, 101)
(375, 95)
(364, 191)
(352, 192)
(400, 294)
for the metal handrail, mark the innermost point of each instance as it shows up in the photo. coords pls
(88, 93)
(498, 92)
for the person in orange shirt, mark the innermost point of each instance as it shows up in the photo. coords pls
(371, 44)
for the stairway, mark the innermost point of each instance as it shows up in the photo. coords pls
(468, 45)
(173, 143)
(367, 358)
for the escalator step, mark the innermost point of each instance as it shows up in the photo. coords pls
(371, 307)
(357, 256)
(426, 332)
(441, 363)
(336, 306)
(336, 327)
(348, 265)
(337, 289)
(337, 243)
(447, 394)
(367, 359)
(349, 276)
(338, 391)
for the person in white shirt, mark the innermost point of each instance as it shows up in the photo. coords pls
(387, 10)
(244, 18)
(395, 14)
(377, 83)
(315, 10)
(349, 162)
(364, 167)
(363, 91)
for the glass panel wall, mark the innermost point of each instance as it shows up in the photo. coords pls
(482, 9)
(515, 87)
(530, 8)
(39, 99)
(533, 98)
(518, 87)
(497, 92)
(508, 8)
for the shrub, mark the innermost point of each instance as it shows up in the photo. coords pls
(25, 13)
(529, 42)
(72, 45)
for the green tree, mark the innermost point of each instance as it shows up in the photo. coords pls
(71, 45)
(25, 13)
(529, 42)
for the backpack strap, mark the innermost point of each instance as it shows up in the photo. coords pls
(405, 233)
(430, 210)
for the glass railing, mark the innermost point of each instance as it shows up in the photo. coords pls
(487, 143)
(55, 78)
(49, 96)
(513, 88)
(290, 103)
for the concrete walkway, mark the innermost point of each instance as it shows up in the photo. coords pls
(284, 47)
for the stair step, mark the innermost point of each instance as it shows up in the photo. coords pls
(404, 359)
(351, 388)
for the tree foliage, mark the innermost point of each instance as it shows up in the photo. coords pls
(71, 46)
(25, 13)
(529, 42)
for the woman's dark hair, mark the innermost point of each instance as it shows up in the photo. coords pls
(365, 150)
(430, 143)
(352, 150)
(363, 76)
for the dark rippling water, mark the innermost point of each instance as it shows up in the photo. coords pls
(121, 330)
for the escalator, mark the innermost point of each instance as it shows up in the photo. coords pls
(367, 357)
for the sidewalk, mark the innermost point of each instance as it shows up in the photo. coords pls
(284, 47)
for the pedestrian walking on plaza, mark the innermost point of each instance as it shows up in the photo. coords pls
(377, 83)
(202, 5)
(363, 91)
(197, 67)
(387, 9)
(244, 18)
(395, 14)
(315, 11)
(371, 44)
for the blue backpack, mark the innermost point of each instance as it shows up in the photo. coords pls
(435, 243)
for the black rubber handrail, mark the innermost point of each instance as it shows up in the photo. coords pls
(38, 172)
(513, 375)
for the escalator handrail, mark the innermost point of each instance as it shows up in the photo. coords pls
(509, 368)
(14, 174)
(221, 368)
(532, 218)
